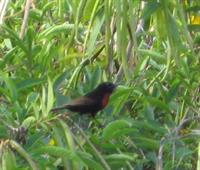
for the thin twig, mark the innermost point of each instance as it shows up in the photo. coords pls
(25, 20)
(3, 6)
(159, 163)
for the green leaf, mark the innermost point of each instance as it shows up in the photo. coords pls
(158, 103)
(112, 127)
(119, 97)
(48, 6)
(56, 30)
(59, 80)
(10, 55)
(87, 10)
(91, 44)
(27, 83)
(32, 98)
(8, 43)
(89, 161)
(149, 126)
(10, 86)
(36, 14)
(173, 30)
(120, 157)
(173, 90)
(47, 99)
(96, 76)
(20, 150)
(43, 102)
(183, 152)
(16, 38)
(146, 142)
(28, 121)
(8, 160)
(67, 135)
(154, 55)
(50, 98)
(150, 8)
(57, 151)
(149, 113)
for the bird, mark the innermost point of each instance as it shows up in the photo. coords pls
(92, 102)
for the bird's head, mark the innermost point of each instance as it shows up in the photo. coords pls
(106, 87)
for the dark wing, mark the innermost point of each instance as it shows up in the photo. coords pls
(83, 105)
(83, 100)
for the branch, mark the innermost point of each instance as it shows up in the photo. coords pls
(25, 20)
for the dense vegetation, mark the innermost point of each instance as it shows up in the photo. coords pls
(53, 51)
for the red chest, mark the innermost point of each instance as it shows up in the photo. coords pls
(105, 100)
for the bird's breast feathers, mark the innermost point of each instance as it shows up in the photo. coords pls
(105, 100)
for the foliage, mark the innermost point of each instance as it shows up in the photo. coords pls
(150, 48)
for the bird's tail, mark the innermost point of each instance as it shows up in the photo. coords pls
(55, 109)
